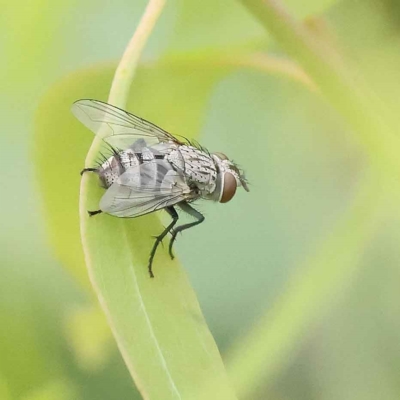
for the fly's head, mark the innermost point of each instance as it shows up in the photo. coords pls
(229, 178)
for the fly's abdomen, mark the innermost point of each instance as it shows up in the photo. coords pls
(121, 161)
(116, 165)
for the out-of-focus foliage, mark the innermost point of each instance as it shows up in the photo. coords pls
(304, 164)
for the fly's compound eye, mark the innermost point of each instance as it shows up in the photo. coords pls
(229, 187)
(221, 156)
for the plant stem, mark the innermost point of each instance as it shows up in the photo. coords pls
(127, 66)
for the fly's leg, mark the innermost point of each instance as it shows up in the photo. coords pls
(91, 213)
(194, 213)
(174, 215)
(89, 170)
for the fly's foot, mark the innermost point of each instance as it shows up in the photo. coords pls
(159, 238)
(91, 213)
(88, 170)
(171, 243)
(171, 253)
(151, 272)
(150, 266)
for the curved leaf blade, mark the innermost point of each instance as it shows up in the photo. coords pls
(157, 323)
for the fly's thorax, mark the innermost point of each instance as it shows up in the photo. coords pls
(197, 166)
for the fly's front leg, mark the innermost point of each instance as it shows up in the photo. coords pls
(174, 215)
(91, 213)
(89, 170)
(194, 213)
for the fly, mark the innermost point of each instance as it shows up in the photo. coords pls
(149, 169)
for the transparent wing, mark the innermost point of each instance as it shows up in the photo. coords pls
(116, 126)
(143, 189)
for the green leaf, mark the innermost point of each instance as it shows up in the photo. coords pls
(217, 24)
(303, 9)
(54, 390)
(157, 322)
(58, 153)
(89, 336)
(4, 391)
(224, 28)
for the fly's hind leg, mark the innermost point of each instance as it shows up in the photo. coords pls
(174, 215)
(91, 213)
(194, 213)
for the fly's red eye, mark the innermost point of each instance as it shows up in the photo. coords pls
(229, 189)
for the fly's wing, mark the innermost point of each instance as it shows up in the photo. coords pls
(118, 127)
(143, 189)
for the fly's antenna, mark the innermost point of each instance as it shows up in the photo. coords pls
(242, 175)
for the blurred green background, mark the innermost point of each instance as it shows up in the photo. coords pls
(302, 159)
